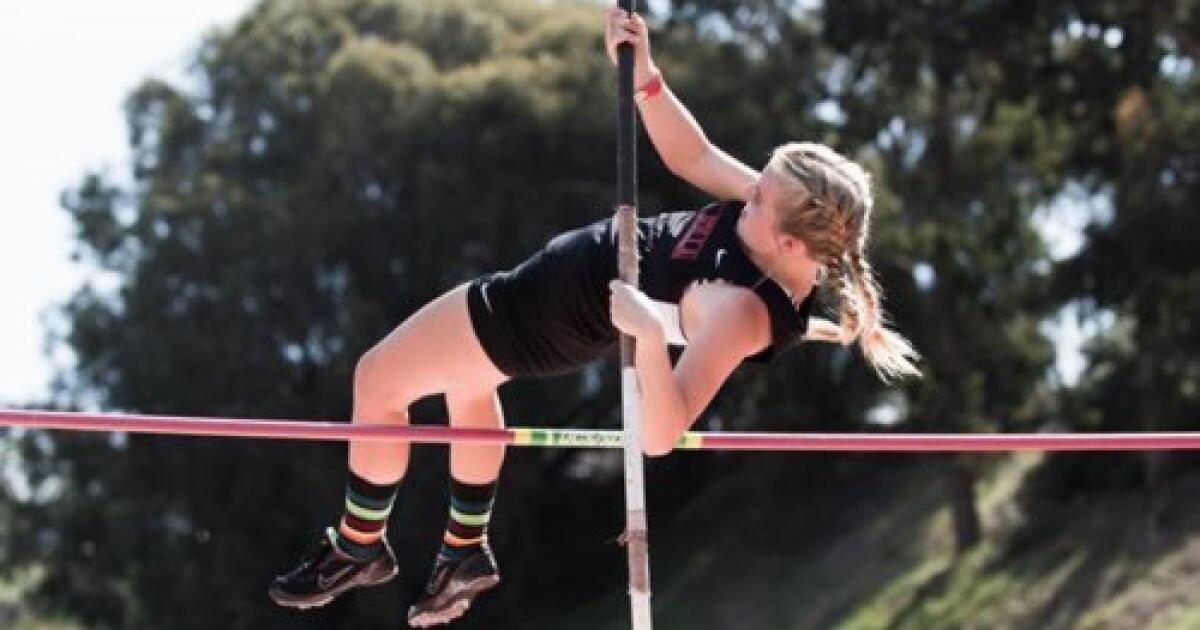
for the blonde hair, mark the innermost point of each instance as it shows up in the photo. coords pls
(826, 203)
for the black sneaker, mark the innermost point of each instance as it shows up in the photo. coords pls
(452, 587)
(325, 572)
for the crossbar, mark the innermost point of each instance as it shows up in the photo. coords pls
(588, 438)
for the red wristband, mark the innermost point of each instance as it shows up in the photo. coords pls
(649, 90)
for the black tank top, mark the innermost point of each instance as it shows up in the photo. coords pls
(676, 250)
(681, 248)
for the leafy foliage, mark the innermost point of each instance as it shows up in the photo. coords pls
(334, 165)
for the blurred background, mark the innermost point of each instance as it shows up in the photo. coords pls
(215, 208)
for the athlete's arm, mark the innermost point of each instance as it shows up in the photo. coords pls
(672, 401)
(678, 138)
(633, 314)
(714, 171)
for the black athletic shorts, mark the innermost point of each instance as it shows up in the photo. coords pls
(550, 314)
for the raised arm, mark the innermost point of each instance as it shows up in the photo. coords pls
(678, 138)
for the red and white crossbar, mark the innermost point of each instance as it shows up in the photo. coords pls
(585, 438)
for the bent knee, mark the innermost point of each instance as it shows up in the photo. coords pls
(377, 384)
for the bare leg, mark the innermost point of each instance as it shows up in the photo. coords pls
(465, 566)
(433, 351)
(477, 409)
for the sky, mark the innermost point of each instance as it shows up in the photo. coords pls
(67, 66)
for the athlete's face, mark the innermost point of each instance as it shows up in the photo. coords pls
(761, 214)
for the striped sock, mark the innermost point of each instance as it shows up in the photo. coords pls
(470, 510)
(361, 531)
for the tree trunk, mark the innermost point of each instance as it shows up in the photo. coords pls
(960, 484)
(1155, 465)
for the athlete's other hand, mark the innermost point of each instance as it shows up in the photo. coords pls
(633, 313)
(630, 28)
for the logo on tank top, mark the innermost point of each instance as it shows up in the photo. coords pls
(483, 287)
(693, 240)
(720, 255)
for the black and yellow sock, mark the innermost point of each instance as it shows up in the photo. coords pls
(470, 510)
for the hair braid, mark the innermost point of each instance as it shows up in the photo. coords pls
(887, 351)
(828, 205)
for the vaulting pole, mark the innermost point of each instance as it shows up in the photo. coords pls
(636, 532)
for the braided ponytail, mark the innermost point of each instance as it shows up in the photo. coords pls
(887, 351)
(832, 214)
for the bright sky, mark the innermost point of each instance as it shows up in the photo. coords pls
(67, 65)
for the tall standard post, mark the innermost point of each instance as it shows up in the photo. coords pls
(636, 531)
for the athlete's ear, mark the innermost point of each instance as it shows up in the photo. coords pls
(792, 246)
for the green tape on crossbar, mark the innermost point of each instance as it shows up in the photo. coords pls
(588, 438)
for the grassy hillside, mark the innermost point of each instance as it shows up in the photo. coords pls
(1121, 561)
(1124, 561)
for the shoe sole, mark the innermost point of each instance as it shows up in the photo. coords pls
(289, 601)
(458, 604)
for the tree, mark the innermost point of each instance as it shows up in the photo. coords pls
(1135, 277)
(337, 164)
(962, 158)
(333, 166)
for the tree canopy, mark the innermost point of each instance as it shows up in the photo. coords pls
(332, 165)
